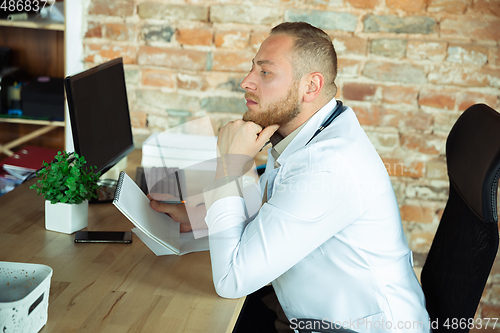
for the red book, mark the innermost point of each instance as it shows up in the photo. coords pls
(27, 160)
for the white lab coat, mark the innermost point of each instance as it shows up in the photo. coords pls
(329, 239)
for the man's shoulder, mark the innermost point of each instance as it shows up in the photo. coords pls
(312, 158)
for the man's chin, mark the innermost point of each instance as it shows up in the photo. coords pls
(253, 120)
(248, 115)
(261, 123)
(260, 118)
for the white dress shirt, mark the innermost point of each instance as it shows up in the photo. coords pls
(329, 238)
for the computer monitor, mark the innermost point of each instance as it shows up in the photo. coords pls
(99, 114)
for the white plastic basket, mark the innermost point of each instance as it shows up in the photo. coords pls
(24, 297)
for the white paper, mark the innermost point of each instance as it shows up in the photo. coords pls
(134, 204)
(187, 241)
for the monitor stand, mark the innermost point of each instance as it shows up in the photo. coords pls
(108, 182)
(106, 191)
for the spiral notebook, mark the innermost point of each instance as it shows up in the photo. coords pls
(156, 230)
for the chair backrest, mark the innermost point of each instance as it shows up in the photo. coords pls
(466, 241)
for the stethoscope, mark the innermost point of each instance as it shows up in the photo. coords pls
(336, 112)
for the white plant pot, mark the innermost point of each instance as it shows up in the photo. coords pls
(66, 218)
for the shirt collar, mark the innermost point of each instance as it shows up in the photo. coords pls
(283, 142)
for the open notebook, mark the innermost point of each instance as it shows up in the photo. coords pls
(157, 230)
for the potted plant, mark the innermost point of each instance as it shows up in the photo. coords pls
(67, 186)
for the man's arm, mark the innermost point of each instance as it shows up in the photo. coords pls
(306, 209)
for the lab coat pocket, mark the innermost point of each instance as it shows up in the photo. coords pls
(307, 260)
(314, 254)
(375, 323)
(403, 296)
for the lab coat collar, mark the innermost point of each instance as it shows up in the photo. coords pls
(306, 133)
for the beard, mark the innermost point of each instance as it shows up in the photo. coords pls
(278, 113)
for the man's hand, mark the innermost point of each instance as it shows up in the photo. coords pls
(176, 211)
(243, 138)
(239, 142)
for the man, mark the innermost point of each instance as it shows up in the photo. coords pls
(328, 235)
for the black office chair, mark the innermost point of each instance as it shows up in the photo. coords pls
(466, 241)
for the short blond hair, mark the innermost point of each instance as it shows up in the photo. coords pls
(313, 51)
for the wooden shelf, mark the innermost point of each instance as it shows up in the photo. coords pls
(34, 23)
(38, 48)
(47, 126)
(32, 121)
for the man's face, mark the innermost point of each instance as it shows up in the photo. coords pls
(272, 93)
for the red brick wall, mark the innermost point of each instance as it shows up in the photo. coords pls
(408, 68)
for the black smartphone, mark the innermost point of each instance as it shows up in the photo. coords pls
(103, 237)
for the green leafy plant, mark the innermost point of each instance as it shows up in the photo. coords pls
(65, 180)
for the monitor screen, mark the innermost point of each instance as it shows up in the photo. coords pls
(99, 114)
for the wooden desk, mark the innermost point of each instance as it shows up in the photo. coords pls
(112, 287)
